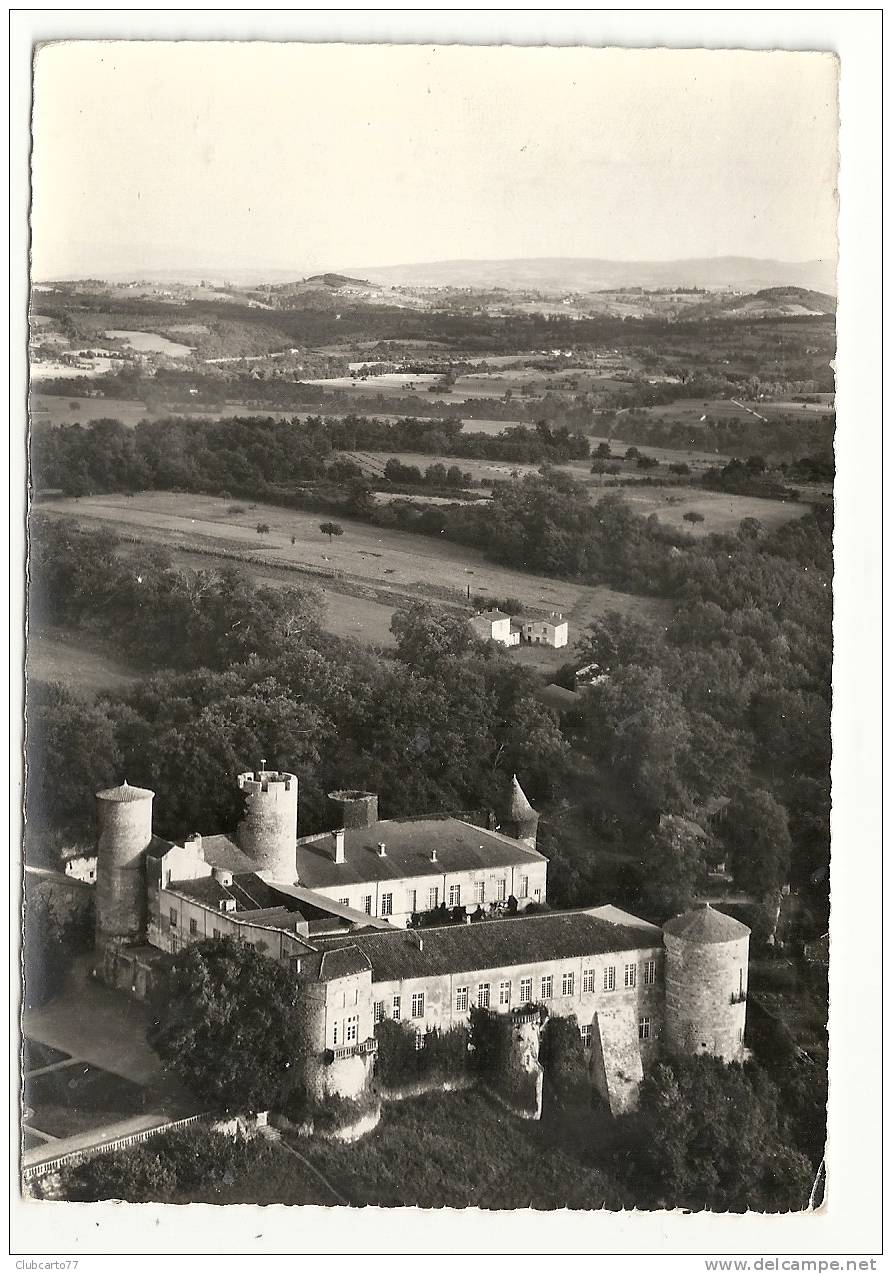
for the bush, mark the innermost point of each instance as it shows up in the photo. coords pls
(562, 1054)
(158, 1170)
(401, 1063)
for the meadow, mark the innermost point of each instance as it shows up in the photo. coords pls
(363, 574)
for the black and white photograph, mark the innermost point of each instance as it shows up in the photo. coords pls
(432, 765)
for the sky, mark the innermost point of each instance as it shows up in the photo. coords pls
(152, 156)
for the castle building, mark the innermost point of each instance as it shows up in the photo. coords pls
(334, 908)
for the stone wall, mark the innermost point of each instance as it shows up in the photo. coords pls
(616, 1064)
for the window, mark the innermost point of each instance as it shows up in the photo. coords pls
(480, 891)
(526, 990)
(524, 887)
(644, 1028)
(217, 934)
(334, 1034)
(418, 1004)
(345, 902)
(631, 975)
(356, 995)
(433, 898)
(294, 964)
(504, 993)
(419, 1041)
(193, 926)
(650, 972)
(173, 918)
(379, 1011)
(461, 999)
(610, 978)
(500, 890)
(387, 904)
(396, 1008)
(586, 1033)
(367, 904)
(537, 895)
(483, 995)
(352, 1034)
(568, 984)
(455, 895)
(547, 987)
(411, 900)
(588, 980)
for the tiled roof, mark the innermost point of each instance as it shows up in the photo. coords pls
(492, 944)
(460, 847)
(703, 925)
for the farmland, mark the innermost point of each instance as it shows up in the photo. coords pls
(76, 660)
(364, 573)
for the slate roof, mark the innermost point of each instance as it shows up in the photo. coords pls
(249, 891)
(220, 851)
(557, 697)
(704, 925)
(460, 847)
(492, 944)
(124, 793)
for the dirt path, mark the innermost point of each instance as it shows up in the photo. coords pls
(315, 1171)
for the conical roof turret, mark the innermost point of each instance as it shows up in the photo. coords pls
(519, 809)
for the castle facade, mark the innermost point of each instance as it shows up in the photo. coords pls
(336, 909)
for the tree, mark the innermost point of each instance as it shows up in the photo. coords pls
(263, 528)
(52, 938)
(72, 753)
(710, 1137)
(673, 865)
(602, 451)
(754, 830)
(331, 529)
(426, 634)
(693, 516)
(227, 1022)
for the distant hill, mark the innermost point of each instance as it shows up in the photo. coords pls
(589, 274)
(767, 303)
(337, 281)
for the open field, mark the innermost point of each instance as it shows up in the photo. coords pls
(384, 565)
(77, 660)
(721, 512)
(693, 409)
(56, 409)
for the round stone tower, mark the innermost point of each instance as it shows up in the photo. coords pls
(268, 830)
(125, 830)
(707, 957)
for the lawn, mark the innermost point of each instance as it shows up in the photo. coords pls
(79, 1097)
(35, 1055)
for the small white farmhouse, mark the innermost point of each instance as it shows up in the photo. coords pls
(553, 631)
(495, 625)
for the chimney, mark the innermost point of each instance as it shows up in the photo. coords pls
(382, 849)
(222, 876)
(337, 845)
(193, 840)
